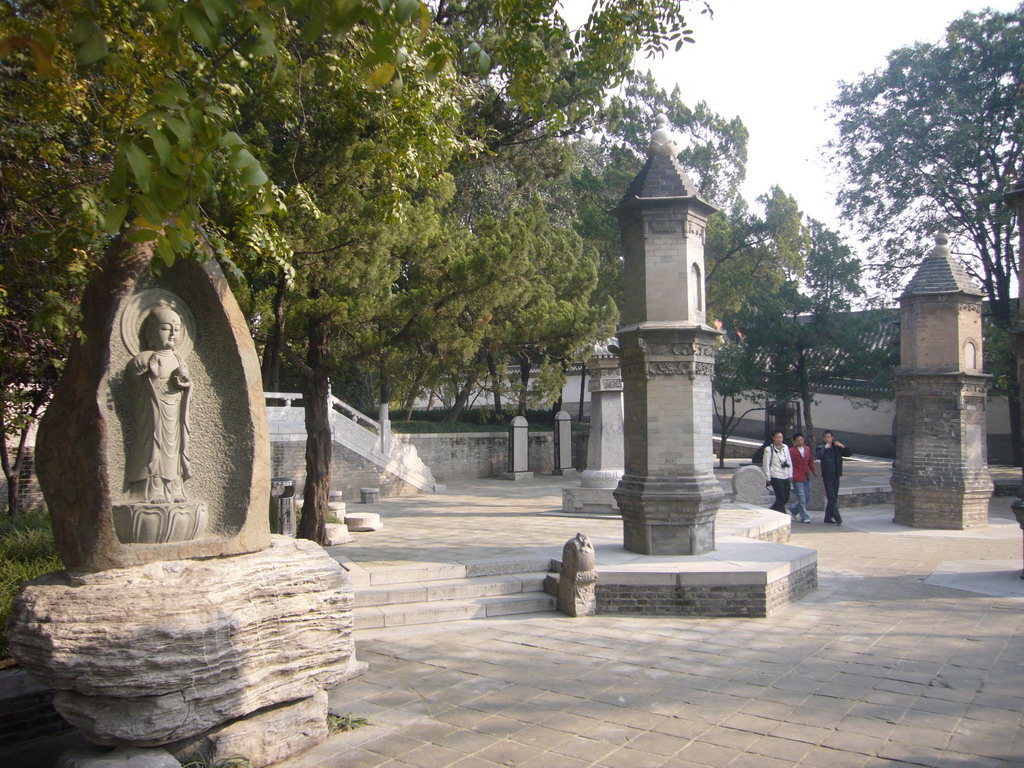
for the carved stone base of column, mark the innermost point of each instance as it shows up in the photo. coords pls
(954, 509)
(669, 517)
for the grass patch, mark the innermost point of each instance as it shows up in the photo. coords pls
(27, 550)
(235, 761)
(345, 722)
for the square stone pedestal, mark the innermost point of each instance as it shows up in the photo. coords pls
(941, 508)
(669, 518)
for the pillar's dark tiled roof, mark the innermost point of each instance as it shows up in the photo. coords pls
(662, 176)
(940, 273)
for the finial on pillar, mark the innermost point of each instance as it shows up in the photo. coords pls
(941, 239)
(662, 142)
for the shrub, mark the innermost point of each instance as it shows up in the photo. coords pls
(27, 550)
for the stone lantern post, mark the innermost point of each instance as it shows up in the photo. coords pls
(668, 495)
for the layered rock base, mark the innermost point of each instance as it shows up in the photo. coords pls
(168, 651)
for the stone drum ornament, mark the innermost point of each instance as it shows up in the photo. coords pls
(158, 464)
(576, 583)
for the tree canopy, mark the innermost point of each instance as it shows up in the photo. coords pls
(930, 143)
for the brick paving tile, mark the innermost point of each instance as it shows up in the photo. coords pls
(782, 749)
(866, 726)
(935, 737)
(658, 743)
(759, 761)
(474, 761)
(509, 752)
(497, 725)
(704, 753)
(432, 756)
(540, 737)
(554, 760)
(823, 757)
(678, 762)
(354, 758)
(729, 737)
(610, 733)
(392, 745)
(810, 734)
(751, 723)
(628, 757)
(913, 754)
(585, 749)
(682, 727)
(467, 742)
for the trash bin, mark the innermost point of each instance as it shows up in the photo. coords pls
(282, 506)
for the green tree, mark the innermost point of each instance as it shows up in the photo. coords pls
(737, 378)
(801, 334)
(118, 125)
(930, 142)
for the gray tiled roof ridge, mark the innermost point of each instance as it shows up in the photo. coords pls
(661, 177)
(940, 273)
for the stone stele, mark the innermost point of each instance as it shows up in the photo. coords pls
(166, 651)
(155, 446)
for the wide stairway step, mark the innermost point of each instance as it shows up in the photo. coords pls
(403, 614)
(403, 596)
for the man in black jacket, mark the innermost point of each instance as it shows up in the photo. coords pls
(831, 454)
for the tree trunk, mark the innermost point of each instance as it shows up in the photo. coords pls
(805, 400)
(460, 401)
(492, 369)
(271, 366)
(1013, 403)
(316, 391)
(583, 391)
(524, 384)
(12, 471)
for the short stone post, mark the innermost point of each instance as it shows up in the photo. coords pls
(563, 444)
(940, 477)
(518, 450)
(576, 594)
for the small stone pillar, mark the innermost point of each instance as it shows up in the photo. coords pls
(668, 495)
(563, 444)
(940, 477)
(605, 457)
(577, 578)
(518, 450)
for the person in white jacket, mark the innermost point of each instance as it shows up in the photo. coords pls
(778, 468)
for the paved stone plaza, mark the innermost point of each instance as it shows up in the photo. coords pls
(877, 667)
(885, 664)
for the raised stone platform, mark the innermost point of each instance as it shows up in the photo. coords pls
(752, 572)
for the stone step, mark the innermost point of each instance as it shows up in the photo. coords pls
(420, 572)
(404, 614)
(450, 589)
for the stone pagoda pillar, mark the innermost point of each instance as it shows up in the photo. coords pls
(605, 462)
(668, 495)
(940, 477)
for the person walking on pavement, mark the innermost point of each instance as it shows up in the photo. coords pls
(831, 454)
(779, 470)
(803, 468)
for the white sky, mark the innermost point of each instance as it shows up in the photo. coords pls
(776, 65)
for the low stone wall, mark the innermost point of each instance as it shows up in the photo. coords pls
(711, 600)
(450, 456)
(471, 455)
